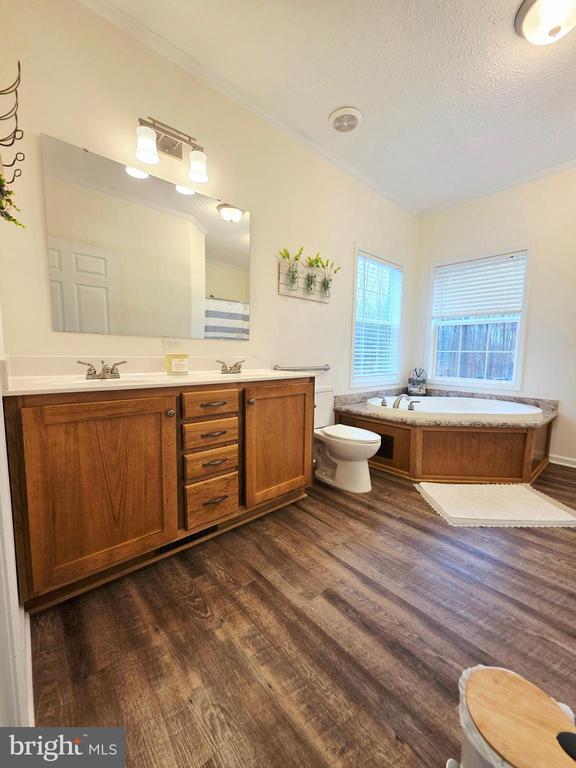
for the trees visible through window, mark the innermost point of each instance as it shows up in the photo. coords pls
(476, 317)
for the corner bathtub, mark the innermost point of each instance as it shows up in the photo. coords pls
(456, 439)
(458, 410)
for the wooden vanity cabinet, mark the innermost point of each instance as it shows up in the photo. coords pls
(100, 484)
(103, 483)
(279, 437)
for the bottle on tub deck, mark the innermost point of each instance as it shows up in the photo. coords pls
(177, 363)
(417, 381)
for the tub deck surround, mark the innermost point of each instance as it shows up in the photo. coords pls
(109, 476)
(405, 416)
(355, 398)
(463, 448)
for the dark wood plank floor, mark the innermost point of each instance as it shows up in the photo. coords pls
(328, 634)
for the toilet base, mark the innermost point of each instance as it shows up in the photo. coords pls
(351, 476)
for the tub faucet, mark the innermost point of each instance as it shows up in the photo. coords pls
(396, 403)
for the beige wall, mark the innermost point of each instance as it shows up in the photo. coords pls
(86, 82)
(159, 257)
(225, 281)
(90, 83)
(540, 216)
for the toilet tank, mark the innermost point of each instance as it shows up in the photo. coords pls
(324, 407)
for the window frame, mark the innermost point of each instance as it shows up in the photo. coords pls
(465, 384)
(378, 381)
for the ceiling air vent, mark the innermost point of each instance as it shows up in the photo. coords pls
(345, 119)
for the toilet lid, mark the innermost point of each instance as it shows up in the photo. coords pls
(352, 434)
(517, 719)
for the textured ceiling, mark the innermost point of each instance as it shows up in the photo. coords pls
(455, 104)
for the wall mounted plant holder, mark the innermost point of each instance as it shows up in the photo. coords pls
(300, 288)
(310, 278)
(7, 205)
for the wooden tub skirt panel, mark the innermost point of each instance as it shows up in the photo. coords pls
(468, 454)
(457, 454)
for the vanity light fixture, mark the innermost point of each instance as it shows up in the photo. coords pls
(230, 213)
(185, 190)
(197, 170)
(154, 136)
(543, 22)
(136, 173)
(146, 150)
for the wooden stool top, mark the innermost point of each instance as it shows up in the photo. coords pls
(517, 719)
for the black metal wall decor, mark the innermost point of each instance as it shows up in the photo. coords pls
(15, 133)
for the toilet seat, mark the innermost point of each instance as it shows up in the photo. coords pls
(351, 434)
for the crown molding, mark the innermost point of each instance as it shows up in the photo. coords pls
(505, 186)
(184, 60)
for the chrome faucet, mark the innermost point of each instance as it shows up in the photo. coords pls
(396, 403)
(90, 370)
(235, 368)
(107, 371)
(114, 372)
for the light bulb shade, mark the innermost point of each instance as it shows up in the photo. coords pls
(230, 213)
(146, 150)
(543, 22)
(136, 173)
(184, 190)
(197, 171)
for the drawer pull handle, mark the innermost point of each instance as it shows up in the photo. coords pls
(216, 500)
(218, 433)
(215, 462)
(215, 404)
(171, 413)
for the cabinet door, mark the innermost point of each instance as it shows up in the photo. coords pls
(279, 423)
(101, 481)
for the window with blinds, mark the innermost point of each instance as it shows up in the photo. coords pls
(377, 312)
(476, 316)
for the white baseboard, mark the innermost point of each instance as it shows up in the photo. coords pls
(564, 461)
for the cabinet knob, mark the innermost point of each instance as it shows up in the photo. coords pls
(171, 413)
(251, 401)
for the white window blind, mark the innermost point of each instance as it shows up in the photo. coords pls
(476, 313)
(377, 321)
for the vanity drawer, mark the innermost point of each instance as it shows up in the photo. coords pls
(198, 465)
(212, 402)
(211, 500)
(214, 432)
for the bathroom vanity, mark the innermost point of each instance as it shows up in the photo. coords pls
(107, 480)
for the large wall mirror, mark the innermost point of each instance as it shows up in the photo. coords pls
(136, 257)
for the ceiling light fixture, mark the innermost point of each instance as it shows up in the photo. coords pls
(146, 150)
(185, 190)
(230, 213)
(197, 170)
(136, 173)
(345, 119)
(543, 22)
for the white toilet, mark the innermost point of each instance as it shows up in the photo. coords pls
(341, 452)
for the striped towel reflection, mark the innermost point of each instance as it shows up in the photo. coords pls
(226, 319)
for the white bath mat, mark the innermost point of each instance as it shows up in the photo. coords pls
(518, 506)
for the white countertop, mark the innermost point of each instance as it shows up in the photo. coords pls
(45, 385)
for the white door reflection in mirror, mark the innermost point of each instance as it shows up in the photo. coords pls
(84, 287)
